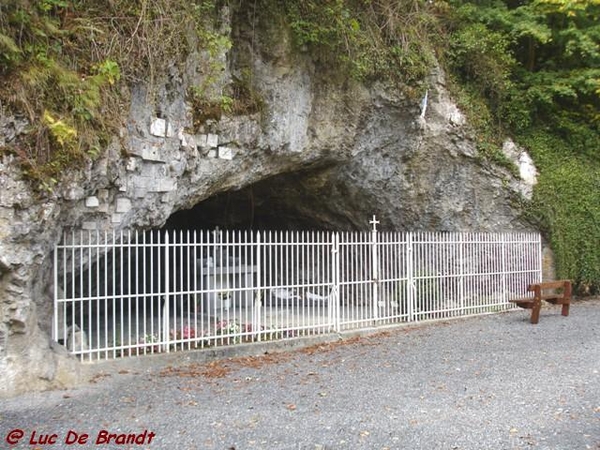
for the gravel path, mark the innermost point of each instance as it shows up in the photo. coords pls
(490, 382)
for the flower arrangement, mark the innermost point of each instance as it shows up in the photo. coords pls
(186, 332)
(225, 327)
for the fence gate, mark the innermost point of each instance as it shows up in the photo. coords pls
(134, 293)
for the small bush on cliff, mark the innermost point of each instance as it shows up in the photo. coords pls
(66, 65)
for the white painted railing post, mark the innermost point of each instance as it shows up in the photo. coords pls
(334, 298)
(258, 295)
(505, 294)
(410, 279)
(540, 260)
(55, 321)
(461, 260)
(374, 269)
(167, 297)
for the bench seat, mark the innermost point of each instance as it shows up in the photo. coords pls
(534, 303)
(523, 301)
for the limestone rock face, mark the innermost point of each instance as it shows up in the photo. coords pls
(321, 152)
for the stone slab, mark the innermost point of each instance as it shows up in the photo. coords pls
(202, 140)
(161, 128)
(92, 202)
(163, 185)
(146, 150)
(212, 140)
(226, 153)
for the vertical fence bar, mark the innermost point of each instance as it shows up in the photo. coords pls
(113, 292)
(335, 296)
(121, 297)
(374, 270)
(145, 288)
(410, 281)
(55, 294)
(200, 281)
(64, 287)
(73, 296)
(259, 296)
(78, 344)
(136, 251)
(166, 294)
(194, 287)
(540, 260)
(461, 265)
(505, 294)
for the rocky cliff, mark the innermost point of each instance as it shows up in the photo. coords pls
(320, 151)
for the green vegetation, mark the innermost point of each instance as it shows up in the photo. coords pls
(533, 70)
(567, 207)
(240, 99)
(66, 65)
(369, 39)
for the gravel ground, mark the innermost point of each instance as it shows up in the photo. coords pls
(489, 382)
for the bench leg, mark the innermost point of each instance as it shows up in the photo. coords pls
(565, 309)
(535, 312)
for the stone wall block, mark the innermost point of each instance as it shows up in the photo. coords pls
(226, 153)
(212, 140)
(92, 202)
(148, 150)
(162, 185)
(161, 128)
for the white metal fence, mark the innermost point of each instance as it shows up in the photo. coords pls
(134, 293)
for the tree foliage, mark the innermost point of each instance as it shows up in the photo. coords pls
(537, 64)
(371, 39)
(556, 45)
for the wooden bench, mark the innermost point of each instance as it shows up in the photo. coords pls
(540, 293)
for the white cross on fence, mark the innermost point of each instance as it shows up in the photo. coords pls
(374, 222)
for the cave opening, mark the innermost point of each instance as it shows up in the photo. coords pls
(292, 201)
